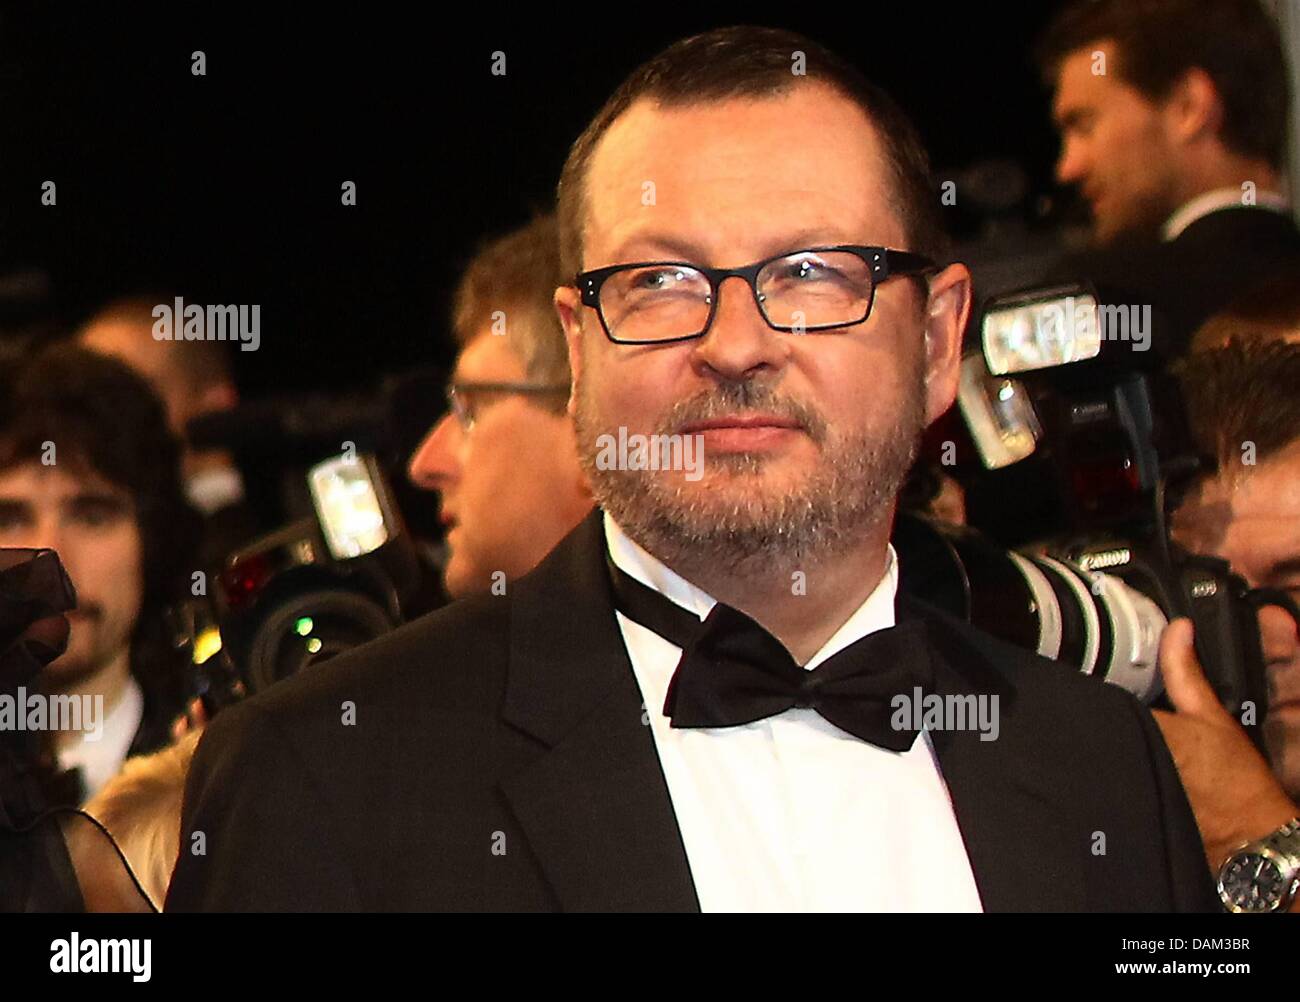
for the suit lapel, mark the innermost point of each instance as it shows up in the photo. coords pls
(595, 807)
(1011, 812)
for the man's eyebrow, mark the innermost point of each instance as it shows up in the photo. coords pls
(680, 249)
(116, 500)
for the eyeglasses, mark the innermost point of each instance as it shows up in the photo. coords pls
(464, 399)
(817, 289)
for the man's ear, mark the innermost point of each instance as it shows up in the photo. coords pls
(947, 311)
(1194, 108)
(568, 307)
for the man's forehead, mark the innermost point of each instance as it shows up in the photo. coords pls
(1083, 74)
(489, 356)
(741, 169)
(1246, 505)
(1270, 488)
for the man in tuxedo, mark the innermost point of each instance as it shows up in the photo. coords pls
(1173, 118)
(694, 702)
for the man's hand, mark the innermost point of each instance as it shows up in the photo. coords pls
(1232, 790)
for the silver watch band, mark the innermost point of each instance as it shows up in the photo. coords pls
(1282, 847)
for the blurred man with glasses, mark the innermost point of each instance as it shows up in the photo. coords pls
(687, 705)
(503, 458)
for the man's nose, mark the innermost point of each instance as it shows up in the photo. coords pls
(46, 534)
(740, 340)
(1069, 165)
(434, 464)
(1278, 635)
(49, 534)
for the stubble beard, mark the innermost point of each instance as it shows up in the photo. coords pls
(731, 521)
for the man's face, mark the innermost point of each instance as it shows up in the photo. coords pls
(1114, 146)
(511, 485)
(92, 526)
(805, 437)
(1251, 518)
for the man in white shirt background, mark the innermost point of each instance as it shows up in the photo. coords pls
(1173, 117)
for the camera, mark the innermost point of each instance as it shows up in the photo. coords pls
(317, 587)
(1064, 379)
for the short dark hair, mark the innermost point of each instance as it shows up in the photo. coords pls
(1268, 309)
(105, 418)
(1235, 42)
(197, 364)
(754, 62)
(1242, 392)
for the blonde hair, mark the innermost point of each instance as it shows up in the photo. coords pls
(141, 808)
(518, 273)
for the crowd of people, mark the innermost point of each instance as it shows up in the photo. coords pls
(574, 729)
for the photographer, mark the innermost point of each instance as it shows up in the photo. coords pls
(504, 458)
(89, 468)
(1245, 413)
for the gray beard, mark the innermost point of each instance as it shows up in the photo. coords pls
(848, 497)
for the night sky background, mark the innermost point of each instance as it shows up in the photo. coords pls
(225, 188)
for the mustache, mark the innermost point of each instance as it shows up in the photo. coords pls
(749, 395)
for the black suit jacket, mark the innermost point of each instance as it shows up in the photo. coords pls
(498, 761)
(1217, 258)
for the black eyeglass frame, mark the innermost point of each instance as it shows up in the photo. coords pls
(457, 391)
(885, 263)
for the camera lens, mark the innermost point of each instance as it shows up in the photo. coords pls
(310, 629)
(1095, 622)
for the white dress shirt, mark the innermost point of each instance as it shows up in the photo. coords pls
(100, 756)
(791, 813)
(1213, 201)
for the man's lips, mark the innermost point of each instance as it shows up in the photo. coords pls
(743, 422)
(743, 433)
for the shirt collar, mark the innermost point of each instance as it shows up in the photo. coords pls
(1213, 201)
(214, 489)
(100, 756)
(875, 613)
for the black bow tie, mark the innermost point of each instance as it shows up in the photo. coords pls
(732, 671)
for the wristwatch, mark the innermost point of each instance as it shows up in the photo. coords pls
(1264, 875)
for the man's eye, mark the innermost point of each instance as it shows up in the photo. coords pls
(658, 279)
(13, 518)
(807, 271)
(97, 513)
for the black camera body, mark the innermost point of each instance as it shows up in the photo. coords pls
(1069, 376)
(313, 589)
(1099, 607)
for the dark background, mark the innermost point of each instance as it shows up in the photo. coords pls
(226, 188)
